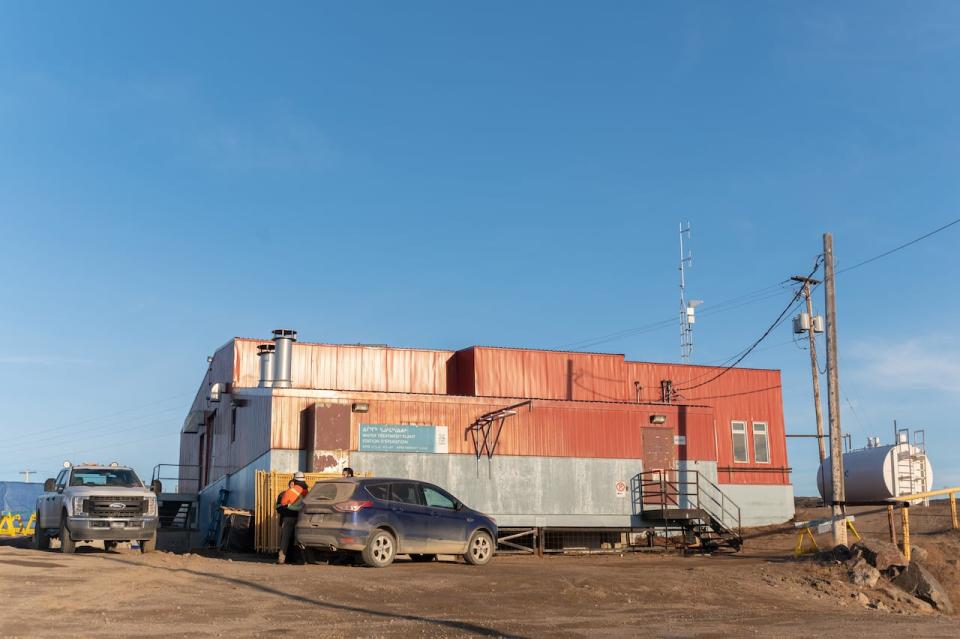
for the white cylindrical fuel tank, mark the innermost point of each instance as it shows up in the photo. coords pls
(878, 473)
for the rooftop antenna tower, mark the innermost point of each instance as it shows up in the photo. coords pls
(687, 308)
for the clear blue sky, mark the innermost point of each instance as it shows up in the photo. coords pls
(444, 174)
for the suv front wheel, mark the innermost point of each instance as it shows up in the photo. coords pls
(480, 549)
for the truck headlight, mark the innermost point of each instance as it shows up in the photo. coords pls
(151, 506)
(77, 505)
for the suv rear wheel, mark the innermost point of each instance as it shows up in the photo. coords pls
(380, 550)
(67, 544)
(40, 540)
(480, 549)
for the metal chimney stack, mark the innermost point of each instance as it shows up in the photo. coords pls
(265, 353)
(283, 339)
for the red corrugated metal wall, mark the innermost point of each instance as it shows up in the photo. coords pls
(501, 374)
(741, 394)
(551, 428)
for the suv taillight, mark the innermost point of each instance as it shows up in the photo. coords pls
(352, 506)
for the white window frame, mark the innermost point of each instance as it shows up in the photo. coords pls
(733, 441)
(766, 436)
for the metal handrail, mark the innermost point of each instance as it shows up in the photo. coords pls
(672, 492)
(158, 475)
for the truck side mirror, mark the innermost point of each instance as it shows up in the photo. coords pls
(156, 486)
(50, 485)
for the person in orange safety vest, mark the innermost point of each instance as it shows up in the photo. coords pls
(288, 506)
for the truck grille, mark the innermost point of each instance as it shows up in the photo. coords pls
(107, 506)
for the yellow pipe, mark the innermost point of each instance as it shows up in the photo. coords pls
(929, 493)
(905, 517)
(953, 510)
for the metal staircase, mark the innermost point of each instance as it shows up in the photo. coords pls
(687, 509)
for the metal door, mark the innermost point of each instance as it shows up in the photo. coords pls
(447, 527)
(407, 507)
(53, 501)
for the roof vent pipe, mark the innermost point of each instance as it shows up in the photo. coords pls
(265, 353)
(283, 339)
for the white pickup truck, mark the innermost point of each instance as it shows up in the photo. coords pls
(94, 502)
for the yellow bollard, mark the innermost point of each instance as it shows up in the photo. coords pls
(953, 510)
(905, 517)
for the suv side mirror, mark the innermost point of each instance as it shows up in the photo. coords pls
(50, 485)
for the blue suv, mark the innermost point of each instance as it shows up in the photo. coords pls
(382, 518)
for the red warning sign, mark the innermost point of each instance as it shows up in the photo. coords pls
(621, 488)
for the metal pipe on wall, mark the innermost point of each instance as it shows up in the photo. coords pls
(283, 339)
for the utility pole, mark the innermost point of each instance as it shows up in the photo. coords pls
(814, 369)
(26, 475)
(833, 396)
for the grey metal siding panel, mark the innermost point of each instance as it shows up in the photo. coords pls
(521, 491)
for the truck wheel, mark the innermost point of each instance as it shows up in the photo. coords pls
(148, 545)
(380, 550)
(109, 545)
(480, 549)
(67, 544)
(40, 540)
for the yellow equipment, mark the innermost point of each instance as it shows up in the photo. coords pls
(11, 525)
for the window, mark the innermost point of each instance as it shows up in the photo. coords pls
(62, 479)
(761, 448)
(739, 430)
(331, 491)
(93, 477)
(405, 493)
(379, 491)
(436, 499)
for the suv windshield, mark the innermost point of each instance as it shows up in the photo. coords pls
(121, 477)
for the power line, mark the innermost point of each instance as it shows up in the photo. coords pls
(745, 299)
(29, 446)
(899, 248)
(34, 433)
(30, 438)
(780, 318)
(759, 295)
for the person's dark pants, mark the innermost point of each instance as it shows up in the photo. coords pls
(288, 526)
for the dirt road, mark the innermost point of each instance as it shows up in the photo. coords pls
(761, 591)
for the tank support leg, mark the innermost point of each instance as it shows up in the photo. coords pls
(905, 516)
(891, 525)
(953, 510)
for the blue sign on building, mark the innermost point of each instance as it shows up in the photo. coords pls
(403, 438)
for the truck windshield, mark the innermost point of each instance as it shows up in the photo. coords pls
(121, 477)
